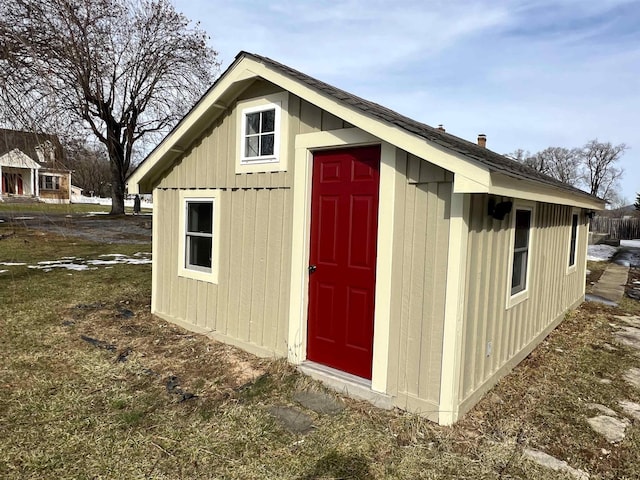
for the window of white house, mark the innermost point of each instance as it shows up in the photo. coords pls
(199, 218)
(262, 134)
(522, 223)
(573, 243)
(49, 182)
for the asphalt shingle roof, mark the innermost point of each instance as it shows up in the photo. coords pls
(494, 161)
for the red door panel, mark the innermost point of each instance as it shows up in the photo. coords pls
(344, 231)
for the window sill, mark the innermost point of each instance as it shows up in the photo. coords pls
(208, 277)
(517, 299)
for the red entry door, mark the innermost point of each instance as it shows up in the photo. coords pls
(344, 230)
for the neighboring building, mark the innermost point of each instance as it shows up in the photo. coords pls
(384, 256)
(31, 166)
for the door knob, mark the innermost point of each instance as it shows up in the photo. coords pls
(312, 268)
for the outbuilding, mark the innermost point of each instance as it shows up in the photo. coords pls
(390, 259)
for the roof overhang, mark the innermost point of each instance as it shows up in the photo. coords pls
(470, 176)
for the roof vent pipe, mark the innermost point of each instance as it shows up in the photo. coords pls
(482, 140)
(441, 128)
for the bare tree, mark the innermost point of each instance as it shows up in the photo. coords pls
(557, 162)
(637, 204)
(599, 171)
(90, 167)
(123, 69)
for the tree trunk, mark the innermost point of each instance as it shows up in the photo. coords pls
(117, 194)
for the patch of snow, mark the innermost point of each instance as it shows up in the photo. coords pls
(12, 264)
(1, 221)
(630, 243)
(600, 253)
(113, 255)
(23, 218)
(4, 271)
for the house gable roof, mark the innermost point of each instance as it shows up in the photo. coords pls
(29, 142)
(17, 159)
(477, 169)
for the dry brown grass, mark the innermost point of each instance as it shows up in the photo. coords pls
(119, 407)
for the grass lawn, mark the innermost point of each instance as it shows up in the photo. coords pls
(84, 370)
(53, 208)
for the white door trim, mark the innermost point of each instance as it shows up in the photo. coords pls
(299, 288)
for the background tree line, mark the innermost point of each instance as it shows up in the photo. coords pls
(592, 167)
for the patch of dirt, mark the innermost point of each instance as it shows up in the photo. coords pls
(190, 365)
(128, 229)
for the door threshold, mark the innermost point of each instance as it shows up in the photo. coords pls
(346, 384)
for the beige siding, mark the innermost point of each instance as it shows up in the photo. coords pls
(421, 236)
(513, 331)
(250, 303)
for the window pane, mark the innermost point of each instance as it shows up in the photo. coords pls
(199, 252)
(268, 121)
(523, 223)
(519, 272)
(253, 123)
(574, 236)
(266, 146)
(199, 217)
(251, 147)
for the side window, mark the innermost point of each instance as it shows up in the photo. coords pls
(49, 182)
(262, 134)
(199, 235)
(573, 244)
(521, 250)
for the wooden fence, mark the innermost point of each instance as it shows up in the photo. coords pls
(617, 228)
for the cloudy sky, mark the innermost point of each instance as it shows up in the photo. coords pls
(528, 73)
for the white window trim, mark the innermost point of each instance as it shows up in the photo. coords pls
(521, 296)
(191, 196)
(573, 268)
(271, 163)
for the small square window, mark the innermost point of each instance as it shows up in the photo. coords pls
(260, 135)
(50, 182)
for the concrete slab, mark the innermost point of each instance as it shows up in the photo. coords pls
(319, 402)
(629, 336)
(601, 408)
(553, 463)
(612, 283)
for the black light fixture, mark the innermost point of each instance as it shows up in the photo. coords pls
(499, 210)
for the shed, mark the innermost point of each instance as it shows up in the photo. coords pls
(392, 260)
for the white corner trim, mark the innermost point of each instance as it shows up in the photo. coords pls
(302, 182)
(155, 270)
(454, 309)
(200, 194)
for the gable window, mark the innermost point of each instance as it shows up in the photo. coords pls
(262, 134)
(49, 182)
(573, 243)
(199, 235)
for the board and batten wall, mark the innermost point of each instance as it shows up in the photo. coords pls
(514, 332)
(250, 303)
(419, 271)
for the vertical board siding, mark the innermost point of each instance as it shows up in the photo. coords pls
(421, 239)
(250, 303)
(551, 289)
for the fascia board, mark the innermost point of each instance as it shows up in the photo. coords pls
(176, 141)
(392, 134)
(508, 186)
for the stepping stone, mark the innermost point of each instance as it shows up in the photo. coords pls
(632, 320)
(601, 409)
(292, 419)
(631, 409)
(609, 427)
(629, 336)
(632, 376)
(553, 463)
(319, 402)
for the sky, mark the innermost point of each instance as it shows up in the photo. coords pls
(529, 74)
